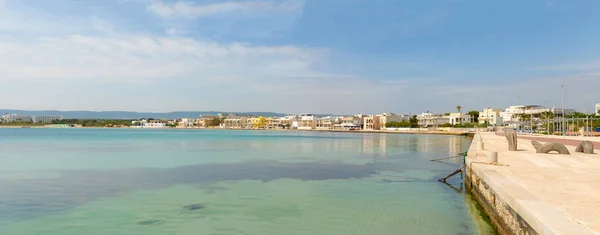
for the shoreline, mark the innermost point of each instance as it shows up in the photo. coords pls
(455, 133)
(523, 194)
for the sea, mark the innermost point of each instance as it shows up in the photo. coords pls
(75, 181)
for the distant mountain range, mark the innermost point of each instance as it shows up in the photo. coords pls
(130, 115)
(134, 115)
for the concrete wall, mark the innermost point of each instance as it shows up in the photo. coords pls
(504, 218)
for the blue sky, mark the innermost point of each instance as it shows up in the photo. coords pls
(322, 56)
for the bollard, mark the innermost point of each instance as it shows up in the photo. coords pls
(491, 157)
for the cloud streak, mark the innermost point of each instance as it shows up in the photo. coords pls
(126, 57)
(189, 10)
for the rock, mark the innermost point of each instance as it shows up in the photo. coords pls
(550, 147)
(511, 136)
(148, 222)
(586, 147)
(536, 144)
(193, 207)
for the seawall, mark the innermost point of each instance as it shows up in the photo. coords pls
(530, 193)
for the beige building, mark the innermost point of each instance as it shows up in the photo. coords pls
(372, 122)
(236, 123)
(491, 116)
(307, 121)
(325, 123)
(430, 119)
(459, 118)
(391, 117)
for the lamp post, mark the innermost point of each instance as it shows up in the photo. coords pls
(562, 91)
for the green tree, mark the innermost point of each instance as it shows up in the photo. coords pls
(398, 124)
(475, 115)
(414, 122)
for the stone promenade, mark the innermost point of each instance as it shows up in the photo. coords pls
(552, 193)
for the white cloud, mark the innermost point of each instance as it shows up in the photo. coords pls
(127, 58)
(185, 9)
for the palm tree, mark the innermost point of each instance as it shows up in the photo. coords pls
(458, 108)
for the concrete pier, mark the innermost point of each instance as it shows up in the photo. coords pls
(529, 193)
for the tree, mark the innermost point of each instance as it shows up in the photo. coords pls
(261, 122)
(525, 117)
(475, 115)
(398, 124)
(414, 122)
(458, 108)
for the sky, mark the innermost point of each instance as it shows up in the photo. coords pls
(292, 56)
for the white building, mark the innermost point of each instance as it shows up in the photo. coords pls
(428, 119)
(187, 122)
(307, 121)
(16, 118)
(149, 123)
(458, 118)
(491, 117)
(30, 119)
(514, 113)
(597, 109)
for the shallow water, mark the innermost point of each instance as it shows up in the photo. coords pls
(123, 181)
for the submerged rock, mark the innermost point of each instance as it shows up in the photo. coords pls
(148, 222)
(193, 207)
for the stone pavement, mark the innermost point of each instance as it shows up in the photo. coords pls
(567, 140)
(555, 194)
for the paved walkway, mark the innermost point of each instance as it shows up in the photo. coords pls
(555, 194)
(573, 141)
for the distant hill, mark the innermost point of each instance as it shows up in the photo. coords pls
(130, 115)
(135, 115)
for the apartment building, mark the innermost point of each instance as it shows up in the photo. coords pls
(30, 119)
(391, 117)
(491, 116)
(514, 113)
(307, 121)
(372, 122)
(429, 119)
(235, 123)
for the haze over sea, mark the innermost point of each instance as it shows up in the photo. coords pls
(129, 181)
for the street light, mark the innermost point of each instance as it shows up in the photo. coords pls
(562, 90)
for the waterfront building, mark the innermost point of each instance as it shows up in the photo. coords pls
(156, 123)
(204, 120)
(325, 123)
(187, 122)
(597, 109)
(17, 118)
(351, 122)
(391, 117)
(491, 116)
(458, 118)
(235, 123)
(30, 119)
(428, 119)
(307, 121)
(514, 113)
(372, 122)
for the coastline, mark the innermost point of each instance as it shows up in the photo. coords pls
(427, 132)
(523, 194)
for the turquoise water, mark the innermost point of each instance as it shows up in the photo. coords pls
(134, 181)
